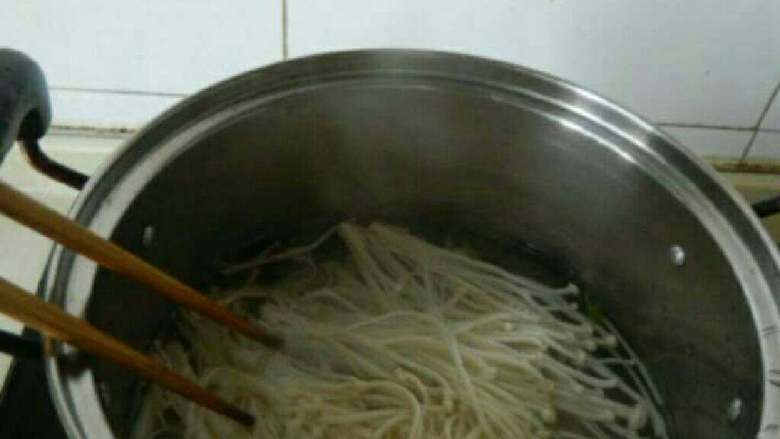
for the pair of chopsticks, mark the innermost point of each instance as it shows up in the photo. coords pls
(57, 324)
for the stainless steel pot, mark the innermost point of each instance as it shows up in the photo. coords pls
(511, 157)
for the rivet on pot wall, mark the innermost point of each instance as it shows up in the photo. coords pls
(147, 237)
(677, 255)
(734, 410)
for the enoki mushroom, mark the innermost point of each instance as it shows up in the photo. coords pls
(404, 339)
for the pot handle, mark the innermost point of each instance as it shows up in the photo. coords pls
(25, 115)
(768, 207)
(25, 112)
(27, 345)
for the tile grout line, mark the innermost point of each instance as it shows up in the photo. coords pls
(285, 32)
(760, 121)
(118, 91)
(87, 131)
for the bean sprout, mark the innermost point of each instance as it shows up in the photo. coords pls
(404, 339)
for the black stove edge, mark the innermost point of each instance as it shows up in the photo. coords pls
(26, 407)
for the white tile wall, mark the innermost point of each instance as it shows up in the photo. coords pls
(772, 119)
(106, 110)
(766, 146)
(694, 61)
(163, 46)
(711, 142)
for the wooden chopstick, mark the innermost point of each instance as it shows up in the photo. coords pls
(55, 323)
(61, 229)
